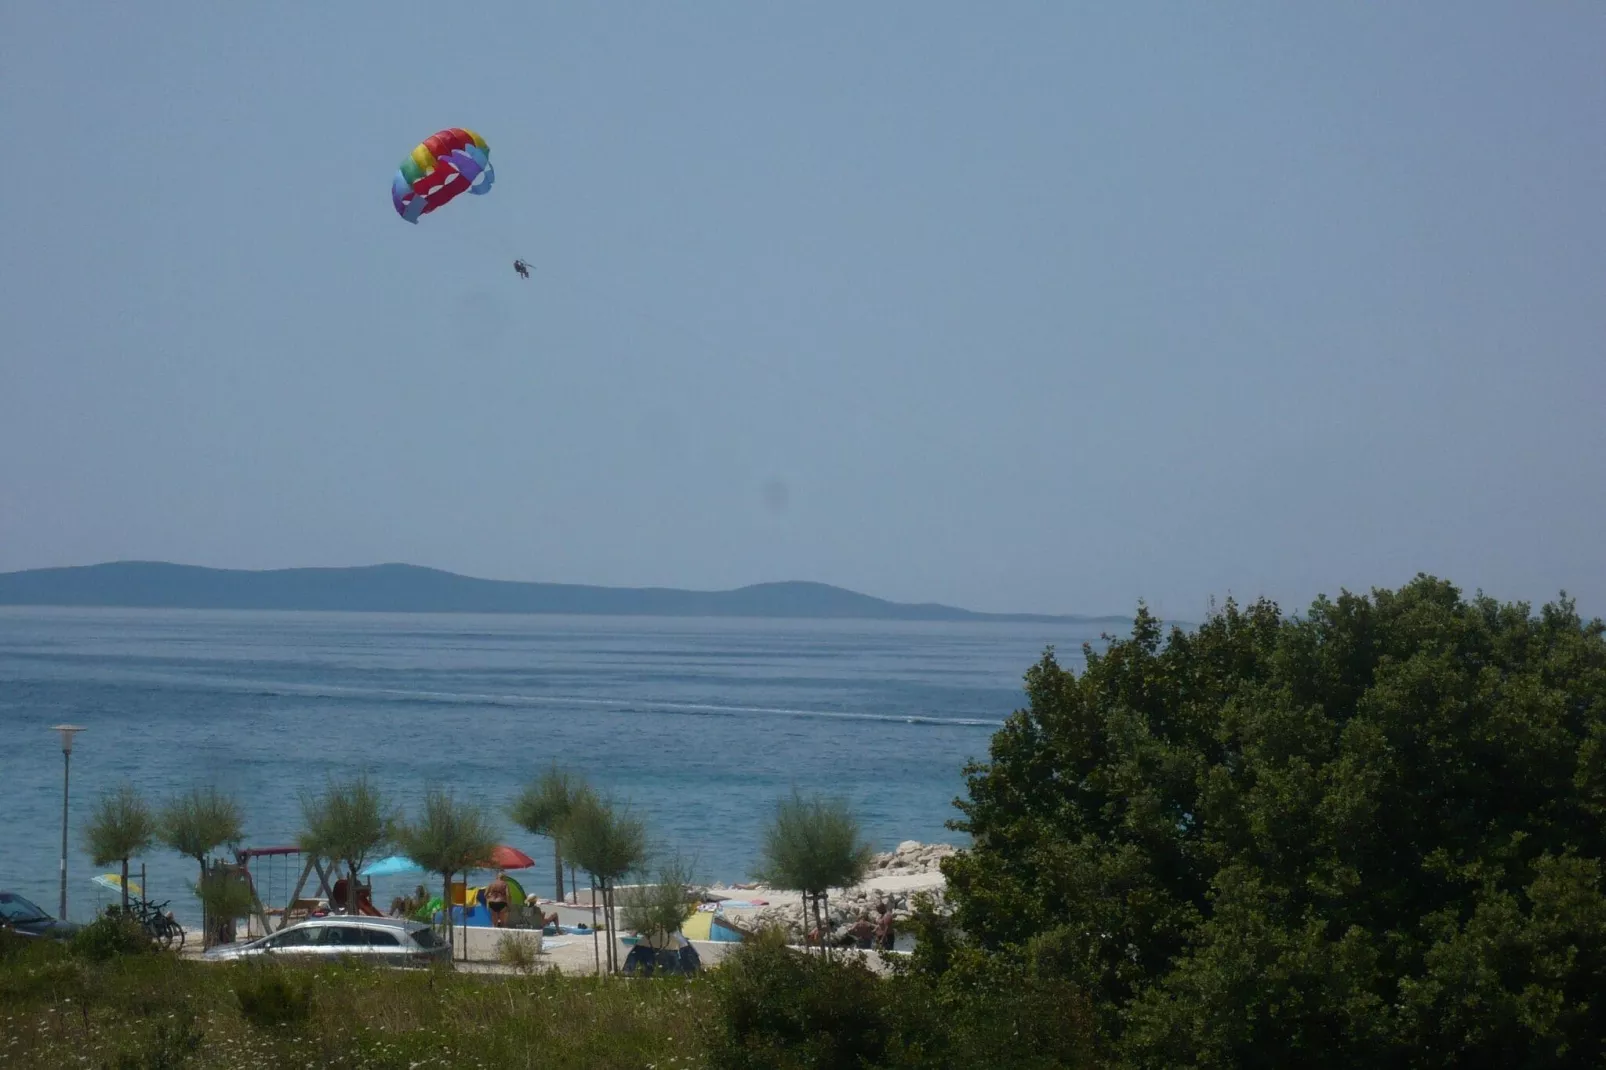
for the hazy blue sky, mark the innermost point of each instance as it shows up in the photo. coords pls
(1033, 306)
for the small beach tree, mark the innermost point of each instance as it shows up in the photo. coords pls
(350, 822)
(195, 824)
(658, 910)
(447, 837)
(542, 808)
(121, 826)
(813, 845)
(609, 843)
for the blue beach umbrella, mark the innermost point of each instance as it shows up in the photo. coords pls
(388, 867)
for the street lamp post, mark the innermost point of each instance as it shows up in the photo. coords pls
(66, 731)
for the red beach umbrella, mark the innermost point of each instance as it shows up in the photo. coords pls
(505, 857)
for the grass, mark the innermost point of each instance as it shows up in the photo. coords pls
(156, 1010)
(100, 1004)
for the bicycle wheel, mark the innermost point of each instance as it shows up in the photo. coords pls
(176, 935)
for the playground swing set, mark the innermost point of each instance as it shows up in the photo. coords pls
(275, 861)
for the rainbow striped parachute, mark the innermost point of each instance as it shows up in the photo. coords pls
(442, 166)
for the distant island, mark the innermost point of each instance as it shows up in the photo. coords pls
(412, 589)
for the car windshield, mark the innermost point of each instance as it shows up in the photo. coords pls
(15, 908)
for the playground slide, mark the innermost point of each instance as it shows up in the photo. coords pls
(365, 902)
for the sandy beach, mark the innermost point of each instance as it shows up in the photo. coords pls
(895, 878)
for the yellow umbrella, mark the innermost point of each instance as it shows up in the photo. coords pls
(114, 881)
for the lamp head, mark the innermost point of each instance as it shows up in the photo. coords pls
(66, 731)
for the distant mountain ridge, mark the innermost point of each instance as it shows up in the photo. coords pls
(397, 588)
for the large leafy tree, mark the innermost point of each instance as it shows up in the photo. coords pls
(1373, 834)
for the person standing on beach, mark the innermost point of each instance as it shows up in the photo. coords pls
(496, 901)
(883, 928)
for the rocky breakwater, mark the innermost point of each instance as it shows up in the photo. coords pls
(911, 859)
(894, 878)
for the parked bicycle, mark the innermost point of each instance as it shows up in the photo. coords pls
(158, 923)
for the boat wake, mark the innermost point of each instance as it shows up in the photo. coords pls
(577, 703)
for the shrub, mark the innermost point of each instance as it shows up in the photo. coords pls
(779, 1008)
(225, 894)
(109, 936)
(988, 1011)
(273, 999)
(521, 954)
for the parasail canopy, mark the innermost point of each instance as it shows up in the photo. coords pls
(443, 166)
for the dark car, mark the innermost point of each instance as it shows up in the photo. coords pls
(22, 917)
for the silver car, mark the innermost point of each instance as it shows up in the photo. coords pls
(381, 941)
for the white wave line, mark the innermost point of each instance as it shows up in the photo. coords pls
(648, 703)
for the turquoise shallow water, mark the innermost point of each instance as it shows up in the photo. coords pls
(699, 723)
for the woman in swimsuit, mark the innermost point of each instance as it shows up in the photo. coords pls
(496, 900)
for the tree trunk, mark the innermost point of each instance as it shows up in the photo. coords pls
(206, 913)
(613, 938)
(825, 923)
(351, 886)
(125, 887)
(446, 911)
(607, 927)
(557, 865)
(596, 948)
(613, 928)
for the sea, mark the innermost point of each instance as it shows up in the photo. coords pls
(697, 725)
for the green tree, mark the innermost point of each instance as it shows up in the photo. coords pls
(658, 910)
(121, 826)
(447, 837)
(197, 823)
(542, 808)
(1369, 835)
(609, 843)
(350, 822)
(813, 845)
